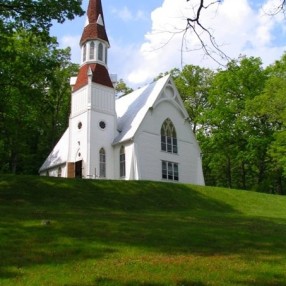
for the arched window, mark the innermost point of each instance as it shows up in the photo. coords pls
(59, 171)
(84, 53)
(122, 161)
(105, 55)
(91, 51)
(100, 51)
(169, 137)
(102, 163)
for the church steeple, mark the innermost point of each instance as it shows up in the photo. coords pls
(95, 26)
(94, 48)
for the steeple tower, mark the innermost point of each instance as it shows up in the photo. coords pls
(94, 48)
(93, 120)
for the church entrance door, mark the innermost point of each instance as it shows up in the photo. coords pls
(78, 169)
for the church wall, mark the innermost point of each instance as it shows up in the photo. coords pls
(104, 99)
(130, 161)
(90, 106)
(79, 101)
(101, 138)
(78, 140)
(102, 129)
(150, 156)
(55, 172)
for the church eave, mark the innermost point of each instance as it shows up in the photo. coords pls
(100, 75)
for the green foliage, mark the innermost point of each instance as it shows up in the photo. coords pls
(33, 81)
(91, 232)
(122, 89)
(238, 116)
(36, 15)
(34, 100)
(193, 84)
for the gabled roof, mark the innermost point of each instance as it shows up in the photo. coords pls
(59, 155)
(132, 108)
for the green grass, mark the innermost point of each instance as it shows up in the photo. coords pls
(138, 233)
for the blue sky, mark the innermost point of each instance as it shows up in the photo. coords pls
(146, 36)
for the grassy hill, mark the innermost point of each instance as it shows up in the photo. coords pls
(86, 232)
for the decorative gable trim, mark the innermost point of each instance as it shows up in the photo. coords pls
(171, 94)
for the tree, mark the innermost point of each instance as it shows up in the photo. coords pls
(33, 80)
(193, 84)
(122, 89)
(29, 86)
(232, 155)
(36, 15)
(271, 106)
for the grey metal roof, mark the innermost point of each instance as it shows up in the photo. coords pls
(59, 155)
(132, 108)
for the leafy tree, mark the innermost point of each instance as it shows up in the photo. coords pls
(36, 15)
(230, 151)
(193, 84)
(271, 106)
(33, 80)
(29, 86)
(122, 89)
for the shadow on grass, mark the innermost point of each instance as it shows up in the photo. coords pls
(110, 282)
(92, 219)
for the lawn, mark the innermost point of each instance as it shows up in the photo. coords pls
(87, 232)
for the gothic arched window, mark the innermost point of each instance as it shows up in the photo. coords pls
(91, 51)
(84, 53)
(105, 55)
(122, 162)
(169, 141)
(100, 51)
(102, 163)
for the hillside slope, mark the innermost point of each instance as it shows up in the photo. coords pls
(86, 232)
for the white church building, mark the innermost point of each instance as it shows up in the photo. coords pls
(145, 135)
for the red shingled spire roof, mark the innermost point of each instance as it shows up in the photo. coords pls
(94, 29)
(100, 75)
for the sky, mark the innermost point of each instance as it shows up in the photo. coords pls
(147, 37)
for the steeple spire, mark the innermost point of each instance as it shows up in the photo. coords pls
(94, 48)
(95, 28)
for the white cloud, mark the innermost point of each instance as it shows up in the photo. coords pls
(236, 26)
(73, 43)
(126, 15)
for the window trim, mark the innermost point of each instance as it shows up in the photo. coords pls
(100, 52)
(102, 163)
(84, 53)
(122, 162)
(60, 171)
(170, 171)
(92, 51)
(169, 141)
